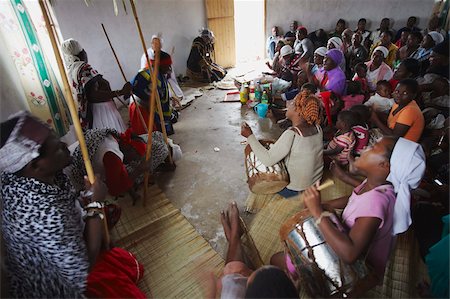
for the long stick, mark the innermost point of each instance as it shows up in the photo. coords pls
(151, 118)
(125, 78)
(158, 102)
(72, 109)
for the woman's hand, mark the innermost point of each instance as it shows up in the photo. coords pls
(246, 130)
(311, 198)
(97, 190)
(126, 90)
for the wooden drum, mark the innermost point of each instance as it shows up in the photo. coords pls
(262, 179)
(321, 272)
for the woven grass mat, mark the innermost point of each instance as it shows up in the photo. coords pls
(256, 202)
(172, 252)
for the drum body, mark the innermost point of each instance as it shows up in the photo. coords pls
(262, 179)
(322, 273)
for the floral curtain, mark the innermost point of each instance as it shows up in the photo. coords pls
(26, 40)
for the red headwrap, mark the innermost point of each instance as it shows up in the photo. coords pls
(138, 145)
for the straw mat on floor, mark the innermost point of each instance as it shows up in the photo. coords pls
(255, 202)
(168, 246)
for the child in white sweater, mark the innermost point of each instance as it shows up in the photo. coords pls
(382, 101)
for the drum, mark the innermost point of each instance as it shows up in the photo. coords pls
(321, 272)
(262, 179)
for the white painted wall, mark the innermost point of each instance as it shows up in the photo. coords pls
(179, 22)
(316, 14)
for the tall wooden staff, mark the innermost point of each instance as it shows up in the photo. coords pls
(125, 79)
(73, 110)
(153, 97)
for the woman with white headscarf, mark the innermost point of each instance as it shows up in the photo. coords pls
(96, 107)
(337, 43)
(377, 69)
(174, 88)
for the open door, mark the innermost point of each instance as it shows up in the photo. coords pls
(220, 14)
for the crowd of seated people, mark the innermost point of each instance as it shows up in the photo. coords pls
(383, 96)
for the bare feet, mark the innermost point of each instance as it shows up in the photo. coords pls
(231, 223)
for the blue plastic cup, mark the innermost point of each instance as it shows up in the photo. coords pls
(261, 110)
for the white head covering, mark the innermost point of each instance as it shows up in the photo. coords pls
(407, 169)
(150, 52)
(286, 50)
(322, 51)
(24, 142)
(70, 49)
(337, 42)
(436, 36)
(383, 50)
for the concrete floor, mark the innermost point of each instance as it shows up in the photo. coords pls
(205, 181)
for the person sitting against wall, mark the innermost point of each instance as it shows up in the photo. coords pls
(365, 34)
(200, 63)
(386, 41)
(96, 107)
(410, 27)
(412, 44)
(303, 45)
(384, 26)
(276, 62)
(340, 27)
(272, 42)
(377, 69)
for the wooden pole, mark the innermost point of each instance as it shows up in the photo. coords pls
(73, 110)
(125, 78)
(152, 70)
(153, 97)
(151, 118)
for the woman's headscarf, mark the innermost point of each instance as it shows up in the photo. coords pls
(23, 143)
(336, 55)
(383, 50)
(322, 51)
(308, 107)
(407, 169)
(436, 36)
(70, 49)
(337, 42)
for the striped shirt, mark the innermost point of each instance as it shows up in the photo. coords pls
(347, 141)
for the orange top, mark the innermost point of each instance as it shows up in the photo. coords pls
(411, 116)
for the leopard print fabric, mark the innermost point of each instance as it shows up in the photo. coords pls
(46, 254)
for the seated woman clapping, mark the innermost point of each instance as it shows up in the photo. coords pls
(300, 146)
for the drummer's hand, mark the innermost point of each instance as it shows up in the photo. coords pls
(311, 198)
(126, 90)
(246, 130)
(98, 189)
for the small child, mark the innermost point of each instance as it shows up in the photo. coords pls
(360, 76)
(382, 101)
(361, 127)
(354, 95)
(344, 140)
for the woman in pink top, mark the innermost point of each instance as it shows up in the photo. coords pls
(368, 213)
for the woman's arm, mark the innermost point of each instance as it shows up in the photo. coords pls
(98, 90)
(279, 150)
(338, 203)
(334, 151)
(349, 247)
(399, 130)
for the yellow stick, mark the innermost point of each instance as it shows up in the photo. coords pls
(151, 118)
(73, 110)
(326, 184)
(125, 78)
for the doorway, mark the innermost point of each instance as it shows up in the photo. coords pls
(249, 16)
